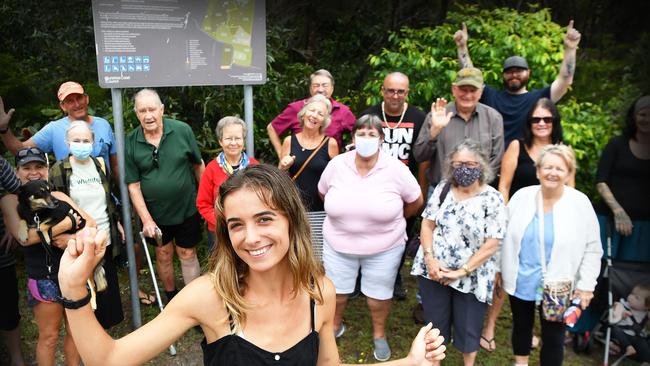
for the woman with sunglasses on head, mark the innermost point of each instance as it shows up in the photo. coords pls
(460, 232)
(84, 179)
(42, 261)
(231, 134)
(263, 300)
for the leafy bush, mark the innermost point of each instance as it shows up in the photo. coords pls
(428, 56)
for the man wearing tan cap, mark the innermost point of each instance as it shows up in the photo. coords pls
(51, 138)
(449, 124)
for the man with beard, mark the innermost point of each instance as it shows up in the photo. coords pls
(515, 101)
(401, 123)
(342, 119)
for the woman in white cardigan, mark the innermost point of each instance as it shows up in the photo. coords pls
(572, 250)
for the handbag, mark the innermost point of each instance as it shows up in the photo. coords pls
(556, 294)
(302, 167)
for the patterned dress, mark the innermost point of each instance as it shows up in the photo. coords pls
(461, 228)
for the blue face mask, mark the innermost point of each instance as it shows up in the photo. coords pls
(81, 150)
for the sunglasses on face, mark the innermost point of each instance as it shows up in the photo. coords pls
(536, 120)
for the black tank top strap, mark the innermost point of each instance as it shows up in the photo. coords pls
(312, 305)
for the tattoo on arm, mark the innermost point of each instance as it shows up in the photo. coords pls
(608, 196)
(463, 57)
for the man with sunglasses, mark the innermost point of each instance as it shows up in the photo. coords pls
(163, 166)
(401, 123)
(342, 119)
(73, 101)
(516, 100)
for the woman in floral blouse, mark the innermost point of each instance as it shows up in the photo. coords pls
(461, 228)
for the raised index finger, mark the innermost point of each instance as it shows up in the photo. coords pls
(464, 27)
(570, 26)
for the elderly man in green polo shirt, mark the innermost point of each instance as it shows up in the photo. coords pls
(163, 166)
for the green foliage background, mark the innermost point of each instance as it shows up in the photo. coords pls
(44, 44)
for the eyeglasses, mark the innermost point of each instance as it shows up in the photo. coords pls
(230, 140)
(400, 92)
(469, 164)
(154, 157)
(536, 120)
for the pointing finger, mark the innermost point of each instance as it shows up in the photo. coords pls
(570, 26)
(464, 27)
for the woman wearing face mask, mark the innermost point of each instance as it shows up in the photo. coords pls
(83, 178)
(455, 264)
(367, 195)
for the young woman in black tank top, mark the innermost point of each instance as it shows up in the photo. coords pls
(255, 302)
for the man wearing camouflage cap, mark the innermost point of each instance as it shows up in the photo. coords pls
(448, 124)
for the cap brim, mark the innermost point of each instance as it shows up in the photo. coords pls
(469, 83)
(29, 159)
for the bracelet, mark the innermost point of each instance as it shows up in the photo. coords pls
(4, 130)
(465, 268)
(72, 304)
(428, 251)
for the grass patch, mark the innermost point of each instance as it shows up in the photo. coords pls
(355, 346)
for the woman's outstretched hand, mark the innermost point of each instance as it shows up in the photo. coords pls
(81, 256)
(427, 346)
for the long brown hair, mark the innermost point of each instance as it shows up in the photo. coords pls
(229, 272)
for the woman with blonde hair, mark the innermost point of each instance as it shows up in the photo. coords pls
(263, 300)
(552, 243)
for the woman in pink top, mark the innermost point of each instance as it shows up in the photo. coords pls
(367, 195)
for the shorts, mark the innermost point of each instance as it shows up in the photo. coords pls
(42, 291)
(185, 235)
(9, 314)
(378, 271)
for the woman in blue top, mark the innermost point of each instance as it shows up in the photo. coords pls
(264, 299)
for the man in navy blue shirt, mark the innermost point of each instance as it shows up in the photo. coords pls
(515, 101)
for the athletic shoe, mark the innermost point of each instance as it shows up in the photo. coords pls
(382, 350)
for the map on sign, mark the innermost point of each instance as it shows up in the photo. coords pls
(180, 42)
(231, 22)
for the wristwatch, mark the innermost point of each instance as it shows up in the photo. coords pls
(4, 130)
(428, 251)
(465, 268)
(70, 304)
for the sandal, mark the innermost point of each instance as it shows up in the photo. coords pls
(490, 342)
(534, 343)
(147, 299)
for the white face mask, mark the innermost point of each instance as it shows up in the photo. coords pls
(366, 146)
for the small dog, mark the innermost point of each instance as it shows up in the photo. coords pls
(38, 209)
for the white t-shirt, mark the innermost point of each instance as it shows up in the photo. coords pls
(87, 191)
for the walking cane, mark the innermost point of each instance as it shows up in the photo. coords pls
(172, 350)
